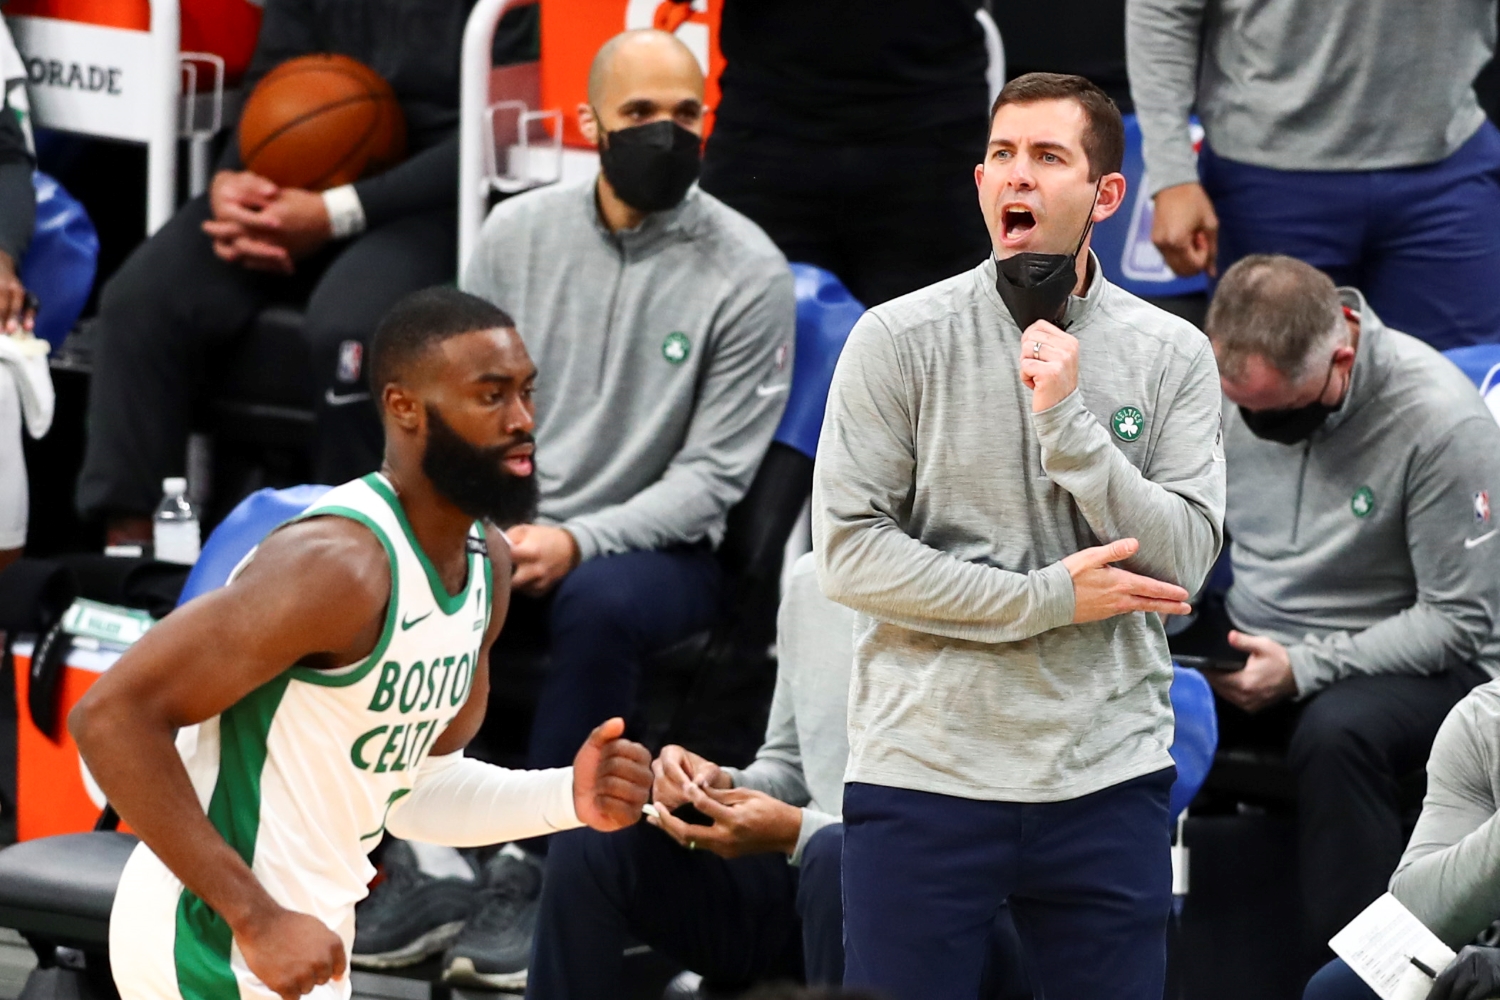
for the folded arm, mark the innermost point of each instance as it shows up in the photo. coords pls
(1458, 591)
(861, 490)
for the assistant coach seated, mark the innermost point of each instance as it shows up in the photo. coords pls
(1361, 466)
(189, 292)
(662, 325)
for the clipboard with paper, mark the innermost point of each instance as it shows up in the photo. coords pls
(1380, 945)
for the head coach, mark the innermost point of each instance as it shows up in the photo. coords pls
(992, 444)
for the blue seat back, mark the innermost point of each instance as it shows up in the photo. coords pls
(250, 522)
(59, 264)
(826, 312)
(1123, 241)
(1478, 361)
(1197, 735)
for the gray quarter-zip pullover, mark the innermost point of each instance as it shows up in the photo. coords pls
(1371, 548)
(1306, 84)
(664, 357)
(942, 506)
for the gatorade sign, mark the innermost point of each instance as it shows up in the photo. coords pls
(88, 78)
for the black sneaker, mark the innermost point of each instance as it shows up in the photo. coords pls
(410, 915)
(495, 946)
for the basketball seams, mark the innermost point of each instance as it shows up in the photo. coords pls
(303, 119)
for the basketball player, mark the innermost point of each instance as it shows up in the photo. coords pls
(325, 694)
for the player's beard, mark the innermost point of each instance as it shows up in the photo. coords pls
(473, 480)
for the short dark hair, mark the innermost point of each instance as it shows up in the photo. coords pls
(1103, 136)
(421, 319)
(1277, 307)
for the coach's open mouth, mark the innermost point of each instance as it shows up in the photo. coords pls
(1016, 223)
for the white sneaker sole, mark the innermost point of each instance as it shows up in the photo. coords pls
(429, 944)
(461, 972)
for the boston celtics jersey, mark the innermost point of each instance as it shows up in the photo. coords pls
(299, 775)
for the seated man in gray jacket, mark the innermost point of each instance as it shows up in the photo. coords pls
(1449, 877)
(662, 325)
(1361, 464)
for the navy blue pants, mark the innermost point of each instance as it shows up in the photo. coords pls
(1422, 243)
(600, 623)
(1089, 882)
(734, 922)
(1336, 981)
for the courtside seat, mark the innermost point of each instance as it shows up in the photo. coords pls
(60, 889)
(1197, 735)
(266, 394)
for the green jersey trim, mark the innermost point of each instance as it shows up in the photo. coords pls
(449, 604)
(354, 673)
(202, 941)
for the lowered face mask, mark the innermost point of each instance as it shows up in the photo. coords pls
(651, 166)
(1036, 286)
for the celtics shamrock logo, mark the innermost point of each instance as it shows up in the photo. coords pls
(1127, 423)
(1362, 502)
(676, 347)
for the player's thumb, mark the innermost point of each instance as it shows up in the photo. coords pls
(607, 732)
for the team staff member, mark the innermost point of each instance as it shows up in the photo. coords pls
(1345, 133)
(1361, 467)
(306, 723)
(992, 444)
(189, 292)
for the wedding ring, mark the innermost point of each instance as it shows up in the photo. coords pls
(692, 845)
(1036, 348)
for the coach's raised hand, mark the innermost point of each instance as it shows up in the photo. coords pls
(1101, 591)
(611, 778)
(1049, 364)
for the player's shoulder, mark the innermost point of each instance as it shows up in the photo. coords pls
(324, 554)
(732, 247)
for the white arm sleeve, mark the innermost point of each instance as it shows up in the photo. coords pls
(461, 802)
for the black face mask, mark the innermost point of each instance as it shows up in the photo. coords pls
(1036, 286)
(473, 480)
(650, 166)
(1289, 426)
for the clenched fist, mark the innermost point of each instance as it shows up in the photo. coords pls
(1049, 364)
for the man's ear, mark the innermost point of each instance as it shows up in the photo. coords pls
(1111, 196)
(405, 409)
(588, 124)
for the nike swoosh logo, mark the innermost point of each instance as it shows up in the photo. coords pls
(1469, 543)
(770, 390)
(408, 624)
(334, 399)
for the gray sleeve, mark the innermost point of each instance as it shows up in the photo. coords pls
(1458, 590)
(862, 486)
(731, 429)
(1176, 508)
(1449, 876)
(1163, 46)
(777, 767)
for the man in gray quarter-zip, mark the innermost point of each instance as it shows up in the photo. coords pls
(1362, 467)
(1345, 133)
(978, 472)
(662, 324)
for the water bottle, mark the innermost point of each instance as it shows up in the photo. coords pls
(175, 526)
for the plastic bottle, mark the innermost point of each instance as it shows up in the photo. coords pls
(175, 527)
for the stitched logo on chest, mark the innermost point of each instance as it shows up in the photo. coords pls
(1127, 423)
(676, 347)
(1362, 502)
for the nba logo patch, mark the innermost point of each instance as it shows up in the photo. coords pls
(1482, 507)
(351, 352)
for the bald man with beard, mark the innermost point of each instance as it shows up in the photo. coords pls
(662, 325)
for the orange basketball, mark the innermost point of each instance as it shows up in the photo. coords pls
(320, 121)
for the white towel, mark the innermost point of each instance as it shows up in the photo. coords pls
(25, 360)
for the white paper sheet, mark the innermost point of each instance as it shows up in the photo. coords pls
(1379, 945)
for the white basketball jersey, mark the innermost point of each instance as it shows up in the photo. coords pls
(298, 775)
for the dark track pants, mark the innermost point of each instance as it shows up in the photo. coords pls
(1422, 243)
(732, 921)
(887, 219)
(1089, 882)
(1336, 981)
(598, 626)
(1349, 746)
(172, 311)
